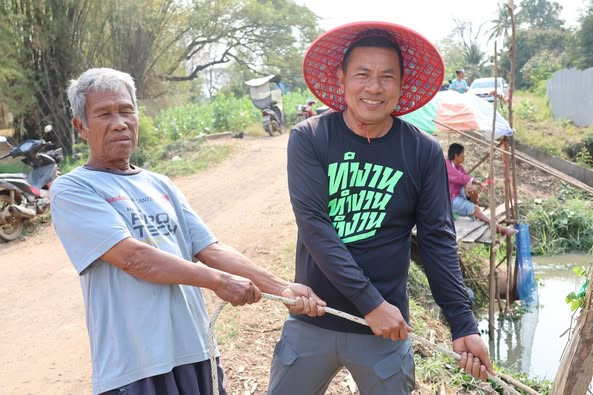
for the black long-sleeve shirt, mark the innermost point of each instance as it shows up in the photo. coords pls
(355, 204)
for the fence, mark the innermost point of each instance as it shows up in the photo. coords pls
(570, 93)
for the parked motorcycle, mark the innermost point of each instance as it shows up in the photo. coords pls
(305, 111)
(273, 120)
(24, 196)
(265, 94)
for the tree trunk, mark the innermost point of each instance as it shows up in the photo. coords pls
(576, 367)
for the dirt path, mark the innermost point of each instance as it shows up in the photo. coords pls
(43, 342)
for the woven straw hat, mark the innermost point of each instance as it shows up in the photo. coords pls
(423, 66)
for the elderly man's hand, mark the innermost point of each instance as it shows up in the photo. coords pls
(237, 290)
(474, 356)
(306, 301)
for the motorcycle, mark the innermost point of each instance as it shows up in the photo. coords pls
(266, 95)
(273, 120)
(305, 111)
(25, 196)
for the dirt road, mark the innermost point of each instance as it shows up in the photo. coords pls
(44, 346)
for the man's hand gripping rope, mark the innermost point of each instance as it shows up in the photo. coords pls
(462, 360)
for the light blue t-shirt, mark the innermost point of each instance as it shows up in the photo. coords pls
(137, 329)
(459, 86)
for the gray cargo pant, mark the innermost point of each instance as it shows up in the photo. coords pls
(306, 358)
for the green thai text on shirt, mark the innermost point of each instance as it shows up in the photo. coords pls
(358, 196)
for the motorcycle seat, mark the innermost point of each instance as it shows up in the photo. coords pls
(12, 175)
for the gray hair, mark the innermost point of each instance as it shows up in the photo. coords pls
(97, 80)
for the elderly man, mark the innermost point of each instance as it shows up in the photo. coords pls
(134, 240)
(359, 180)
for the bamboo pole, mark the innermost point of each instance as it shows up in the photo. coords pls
(518, 384)
(508, 215)
(492, 176)
(512, 57)
(524, 159)
(512, 274)
(482, 160)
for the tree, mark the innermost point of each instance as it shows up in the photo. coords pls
(252, 33)
(502, 24)
(540, 14)
(452, 52)
(47, 36)
(583, 43)
(474, 59)
(540, 67)
(156, 41)
(531, 43)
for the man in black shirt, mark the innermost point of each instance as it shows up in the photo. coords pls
(359, 180)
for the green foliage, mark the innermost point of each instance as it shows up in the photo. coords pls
(534, 126)
(46, 43)
(224, 113)
(542, 386)
(148, 139)
(584, 158)
(13, 166)
(540, 14)
(187, 156)
(581, 150)
(576, 300)
(526, 110)
(540, 67)
(582, 46)
(292, 100)
(531, 43)
(559, 227)
(70, 163)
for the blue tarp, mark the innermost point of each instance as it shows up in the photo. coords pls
(526, 282)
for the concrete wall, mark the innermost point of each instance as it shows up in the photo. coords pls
(571, 169)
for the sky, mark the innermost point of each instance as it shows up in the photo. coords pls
(431, 18)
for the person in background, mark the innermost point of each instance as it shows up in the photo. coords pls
(461, 185)
(143, 254)
(459, 84)
(359, 180)
(308, 109)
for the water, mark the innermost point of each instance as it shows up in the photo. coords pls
(534, 343)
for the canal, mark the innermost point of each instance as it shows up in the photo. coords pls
(534, 342)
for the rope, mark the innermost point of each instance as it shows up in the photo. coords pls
(212, 343)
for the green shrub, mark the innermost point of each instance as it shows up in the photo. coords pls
(581, 151)
(292, 100)
(560, 227)
(526, 110)
(223, 113)
(148, 140)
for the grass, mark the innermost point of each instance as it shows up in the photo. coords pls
(10, 165)
(188, 157)
(535, 126)
(179, 158)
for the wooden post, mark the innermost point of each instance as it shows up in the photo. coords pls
(492, 176)
(576, 366)
(512, 57)
(511, 274)
(508, 216)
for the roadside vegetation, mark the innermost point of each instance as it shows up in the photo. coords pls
(173, 142)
